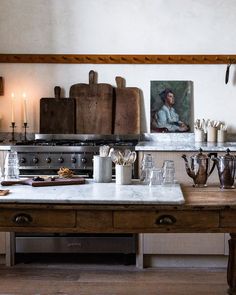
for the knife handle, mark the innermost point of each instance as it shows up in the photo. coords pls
(227, 74)
(12, 182)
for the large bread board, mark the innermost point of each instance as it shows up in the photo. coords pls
(57, 115)
(93, 106)
(127, 108)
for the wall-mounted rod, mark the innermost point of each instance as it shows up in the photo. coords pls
(117, 58)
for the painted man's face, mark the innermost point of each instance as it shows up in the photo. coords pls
(170, 99)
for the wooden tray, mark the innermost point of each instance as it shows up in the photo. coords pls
(47, 182)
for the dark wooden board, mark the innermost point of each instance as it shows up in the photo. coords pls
(57, 115)
(47, 182)
(93, 106)
(127, 109)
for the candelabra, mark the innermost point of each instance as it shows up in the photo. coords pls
(25, 127)
(13, 126)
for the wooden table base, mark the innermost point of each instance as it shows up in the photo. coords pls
(231, 271)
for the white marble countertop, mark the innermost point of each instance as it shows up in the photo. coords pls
(95, 193)
(184, 146)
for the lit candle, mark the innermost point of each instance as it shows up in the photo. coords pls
(12, 108)
(24, 108)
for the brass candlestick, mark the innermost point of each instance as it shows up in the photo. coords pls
(13, 126)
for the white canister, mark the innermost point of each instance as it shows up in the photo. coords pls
(211, 134)
(199, 135)
(221, 135)
(102, 169)
(123, 174)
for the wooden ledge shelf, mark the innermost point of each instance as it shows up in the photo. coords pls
(117, 59)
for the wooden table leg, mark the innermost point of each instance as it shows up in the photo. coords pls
(231, 271)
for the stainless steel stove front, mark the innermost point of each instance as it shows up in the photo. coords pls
(46, 159)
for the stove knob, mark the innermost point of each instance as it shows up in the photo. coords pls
(23, 160)
(35, 160)
(60, 160)
(73, 160)
(84, 160)
(48, 160)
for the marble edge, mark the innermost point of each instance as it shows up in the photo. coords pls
(89, 202)
(184, 146)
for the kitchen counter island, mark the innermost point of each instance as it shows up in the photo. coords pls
(96, 193)
(204, 210)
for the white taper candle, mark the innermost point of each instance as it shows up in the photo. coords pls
(24, 108)
(12, 107)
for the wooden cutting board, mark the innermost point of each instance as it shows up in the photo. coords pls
(57, 115)
(93, 106)
(47, 182)
(127, 108)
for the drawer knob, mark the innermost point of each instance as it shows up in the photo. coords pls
(22, 219)
(166, 220)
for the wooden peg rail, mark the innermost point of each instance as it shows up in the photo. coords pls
(117, 59)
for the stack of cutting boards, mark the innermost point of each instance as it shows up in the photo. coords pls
(93, 108)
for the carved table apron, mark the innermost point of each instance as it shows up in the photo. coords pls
(206, 210)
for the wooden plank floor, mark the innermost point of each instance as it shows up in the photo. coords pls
(45, 279)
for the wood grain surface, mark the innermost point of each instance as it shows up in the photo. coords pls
(119, 58)
(93, 106)
(127, 108)
(106, 278)
(57, 115)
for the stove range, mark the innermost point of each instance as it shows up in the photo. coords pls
(48, 152)
(44, 156)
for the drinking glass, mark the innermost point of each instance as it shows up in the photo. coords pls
(168, 172)
(156, 177)
(168, 164)
(11, 166)
(146, 167)
(169, 176)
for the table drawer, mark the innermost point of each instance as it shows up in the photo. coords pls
(37, 218)
(228, 218)
(161, 219)
(90, 220)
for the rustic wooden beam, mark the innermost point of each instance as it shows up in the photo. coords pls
(119, 58)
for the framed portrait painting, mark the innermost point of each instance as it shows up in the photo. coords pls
(171, 106)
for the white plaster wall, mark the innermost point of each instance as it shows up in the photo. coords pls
(124, 26)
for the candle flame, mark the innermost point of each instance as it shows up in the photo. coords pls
(13, 95)
(24, 95)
